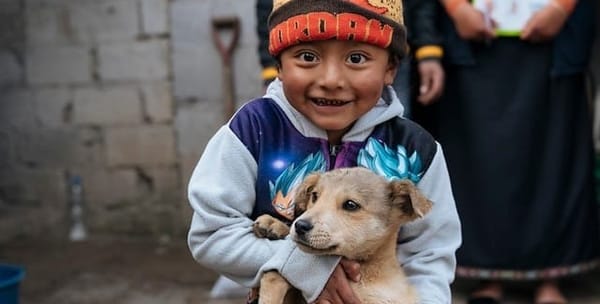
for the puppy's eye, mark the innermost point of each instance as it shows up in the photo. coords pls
(350, 205)
(314, 196)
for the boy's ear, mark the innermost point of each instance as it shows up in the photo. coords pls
(303, 192)
(390, 72)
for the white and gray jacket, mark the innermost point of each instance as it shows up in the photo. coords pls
(251, 165)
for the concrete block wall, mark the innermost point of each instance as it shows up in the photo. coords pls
(87, 88)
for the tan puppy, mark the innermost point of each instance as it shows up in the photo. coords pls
(353, 213)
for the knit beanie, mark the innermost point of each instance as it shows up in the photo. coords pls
(376, 22)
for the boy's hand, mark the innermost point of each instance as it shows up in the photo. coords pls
(338, 290)
(545, 23)
(470, 23)
(431, 74)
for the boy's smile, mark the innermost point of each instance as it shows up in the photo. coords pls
(327, 102)
(334, 82)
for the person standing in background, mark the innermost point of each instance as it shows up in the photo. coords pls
(426, 76)
(515, 124)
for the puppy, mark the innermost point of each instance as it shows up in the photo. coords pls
(356, 214)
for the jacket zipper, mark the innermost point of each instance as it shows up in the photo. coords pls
(333, 152)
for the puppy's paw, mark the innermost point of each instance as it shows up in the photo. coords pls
(269, 227)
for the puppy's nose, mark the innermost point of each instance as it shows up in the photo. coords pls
(302, 227)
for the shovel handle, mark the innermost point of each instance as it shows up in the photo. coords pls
(231, 24)
(226, 23)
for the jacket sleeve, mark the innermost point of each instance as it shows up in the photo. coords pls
(423, 34)
(221, 194)
(427, 246)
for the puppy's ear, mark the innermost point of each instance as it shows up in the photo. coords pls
(303, 193)
(406, 196)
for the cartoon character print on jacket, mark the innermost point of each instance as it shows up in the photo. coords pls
(282, 190)
(284, 155)
(375, 156)
(389, 163)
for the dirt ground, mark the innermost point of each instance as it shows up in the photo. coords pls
(143, 271)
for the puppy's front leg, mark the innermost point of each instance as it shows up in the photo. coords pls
(273, 288)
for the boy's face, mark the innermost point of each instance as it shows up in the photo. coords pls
(333, 82)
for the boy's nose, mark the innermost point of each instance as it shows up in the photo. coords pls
(331, 76)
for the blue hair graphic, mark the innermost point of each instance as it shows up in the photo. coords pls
(390, 164)
(293, 175)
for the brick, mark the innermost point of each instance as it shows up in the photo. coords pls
(104, 21)
(12, 71)
(196, 123)
(147, 60)
(164, 180)
(58, 65)
(190, 20)
(16, 108)
(48, 25)
(197, 72)
(30, 3)
(33, 187)
(90, 148)
(52, 106)
(107, 106)
(142, 145)
(11, 18)
(48, 148)
(56, 148)
(10, 5)
(6, 147)
(158, 101)
(106, 188)
(154, 16)
(33, 202)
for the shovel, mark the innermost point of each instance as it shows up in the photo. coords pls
(232, 25)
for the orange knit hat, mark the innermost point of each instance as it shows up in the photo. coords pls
(377, 22)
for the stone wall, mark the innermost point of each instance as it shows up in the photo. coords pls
(88, 88)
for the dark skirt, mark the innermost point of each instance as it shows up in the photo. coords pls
(519, 149)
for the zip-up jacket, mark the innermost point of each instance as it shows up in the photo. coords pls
(252, 164)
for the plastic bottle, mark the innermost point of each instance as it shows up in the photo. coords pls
(78, 231)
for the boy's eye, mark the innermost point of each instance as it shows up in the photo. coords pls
(308, 57)
(357, 58)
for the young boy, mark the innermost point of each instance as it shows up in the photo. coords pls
(336, 59)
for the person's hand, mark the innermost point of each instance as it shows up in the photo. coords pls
(545, 23)
(338, 290)
(431, 74)
(470, 23)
